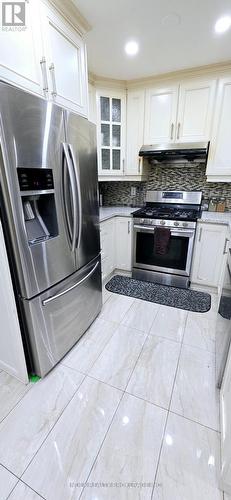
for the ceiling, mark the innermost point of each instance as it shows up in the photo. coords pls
(172, 35)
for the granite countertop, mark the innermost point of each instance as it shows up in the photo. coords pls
(109, 212)
(216, 218)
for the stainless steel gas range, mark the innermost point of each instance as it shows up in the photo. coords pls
(177, 212)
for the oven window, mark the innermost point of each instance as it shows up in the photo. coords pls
(175, 258)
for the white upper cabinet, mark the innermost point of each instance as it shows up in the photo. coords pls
(111, 119)
(195, 109)
(219, 162)
(135, 132)
(160, 114)
(46, 57)
(180, 113)
(64, 52)
(21, 52)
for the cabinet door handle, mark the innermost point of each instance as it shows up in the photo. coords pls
(225, 249)
(200, 234)
(52, 71)
(123, 164)
(178, 131)
(172, 130)
(139, 164)
(44, 73)
(129, 227)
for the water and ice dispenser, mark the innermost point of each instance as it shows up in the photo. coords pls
(38, 201)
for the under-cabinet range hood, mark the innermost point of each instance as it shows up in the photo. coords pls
(167, 153)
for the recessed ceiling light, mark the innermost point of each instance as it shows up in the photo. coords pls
(131, 48)
(223, 24)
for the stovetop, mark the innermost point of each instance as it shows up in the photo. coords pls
(168, 213)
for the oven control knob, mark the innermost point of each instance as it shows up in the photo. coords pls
(176, 223)
(141, 221)
(185, 224)
(162, 222)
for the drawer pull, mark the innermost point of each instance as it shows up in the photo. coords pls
(225, 249)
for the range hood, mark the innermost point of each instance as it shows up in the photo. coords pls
(166, 153)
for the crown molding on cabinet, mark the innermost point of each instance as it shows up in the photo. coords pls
(69, 10)
(109, 83)
(214, 69)
(218, 69)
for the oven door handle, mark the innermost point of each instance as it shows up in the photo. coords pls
(174, 232)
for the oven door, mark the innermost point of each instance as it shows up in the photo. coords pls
(178, 258)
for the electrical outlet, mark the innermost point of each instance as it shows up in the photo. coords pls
(133, 191)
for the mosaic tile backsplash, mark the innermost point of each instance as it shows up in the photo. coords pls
(184, 177)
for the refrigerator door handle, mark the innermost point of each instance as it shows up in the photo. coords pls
(80, 212)
(46, 301)
(73, 191)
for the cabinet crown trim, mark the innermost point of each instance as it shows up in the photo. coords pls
(72, 14)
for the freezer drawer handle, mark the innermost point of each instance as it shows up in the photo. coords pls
(46, 301)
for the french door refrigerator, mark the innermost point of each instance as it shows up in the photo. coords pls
(50, 217)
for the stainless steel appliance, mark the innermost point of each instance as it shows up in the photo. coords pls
(170, 153)
(223, 323)
(49, 210)
(178, 211)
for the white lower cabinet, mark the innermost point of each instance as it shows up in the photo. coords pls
(211, 244)
(12, 357)
(123, 243)
(116, 245)
(107, 237)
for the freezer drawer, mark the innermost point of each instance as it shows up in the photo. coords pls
(58, 318)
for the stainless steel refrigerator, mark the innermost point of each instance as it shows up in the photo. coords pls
(49, 212)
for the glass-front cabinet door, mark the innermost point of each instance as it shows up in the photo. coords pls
(110, 133)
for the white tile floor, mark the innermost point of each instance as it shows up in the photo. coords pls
(133, 402)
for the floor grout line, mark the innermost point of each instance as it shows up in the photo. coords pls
(10, 471)
(195, 422)
(125, 391)
(146, 400)
(16, 404)
(23, 482)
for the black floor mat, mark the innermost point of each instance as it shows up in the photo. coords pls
(191, 300)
